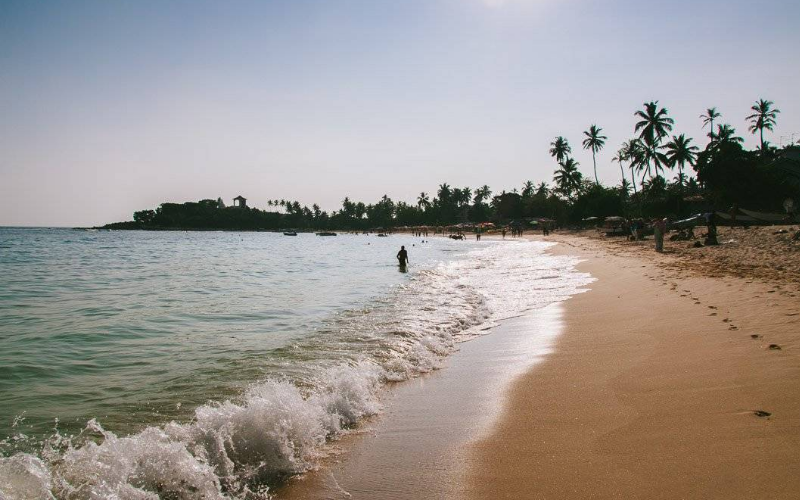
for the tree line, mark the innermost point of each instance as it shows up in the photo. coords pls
(721, 174)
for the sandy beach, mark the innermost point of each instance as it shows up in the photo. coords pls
(677, 376)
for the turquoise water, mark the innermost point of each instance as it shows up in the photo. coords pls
(123, 326)
(216, 364)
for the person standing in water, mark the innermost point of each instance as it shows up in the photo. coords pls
(402, 256)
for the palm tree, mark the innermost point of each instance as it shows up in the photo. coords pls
(527, 189)
(619, 158)
(595, 142)
(680, 152)
(444, 192)
(725, 135)
(481, 194)
(568, 178)
(763, 117)
(466, 195)
(423, 200)
(634, 154)
(653, 127)
(559, 149)
(708, 119)
(542, 189)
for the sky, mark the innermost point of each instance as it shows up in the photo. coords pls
(111, 107)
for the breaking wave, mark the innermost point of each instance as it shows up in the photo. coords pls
(325, 385)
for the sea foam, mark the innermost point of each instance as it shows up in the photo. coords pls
(329, 381)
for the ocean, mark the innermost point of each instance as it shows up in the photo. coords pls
(217, 364)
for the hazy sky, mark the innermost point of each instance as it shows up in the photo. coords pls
(107, 107)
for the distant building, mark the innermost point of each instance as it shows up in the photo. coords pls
(240, 202)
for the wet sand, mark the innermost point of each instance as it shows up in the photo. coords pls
(665, 384)
(418, 448)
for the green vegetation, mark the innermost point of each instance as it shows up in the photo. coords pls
(724, 174)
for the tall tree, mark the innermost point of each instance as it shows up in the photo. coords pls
(527, 189)
(568, 178)
(634, 154)
(466, 196)
(560, 149)
(620, 158)
(708, 119)
(680, 151)
(482, 194)
(595, 142)
(423, 201)
(445, 193)
(725, 134)
(763, 117)
(653, 126)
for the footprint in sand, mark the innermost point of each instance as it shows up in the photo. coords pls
(755, 336)
(713, 314)
(726, 320)
(774, 347)
(733, 327)
(712, 307)
(761, 413)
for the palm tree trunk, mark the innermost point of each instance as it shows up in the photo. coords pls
(680, 186)
(633, 180)
(595, 167)
(762, 139)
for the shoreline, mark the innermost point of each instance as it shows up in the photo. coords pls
(655, 389)
(418, 447)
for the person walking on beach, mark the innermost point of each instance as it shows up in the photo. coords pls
(402, 256)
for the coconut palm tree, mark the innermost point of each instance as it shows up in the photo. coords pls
(527, 189)
(725, 134)
(634, 153)
(680, 152)
(481, 194)
(653, 126)
(568, 178)
(423, 201)
(708, 119)
(445, 192)
(595, 142)
(466, 196)
(542, 189)
(620, 157)
(560, 149)
(763, 117)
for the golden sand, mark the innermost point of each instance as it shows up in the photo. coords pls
(677, 376)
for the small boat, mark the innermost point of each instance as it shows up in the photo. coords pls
(290, 233)
(326, 234)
